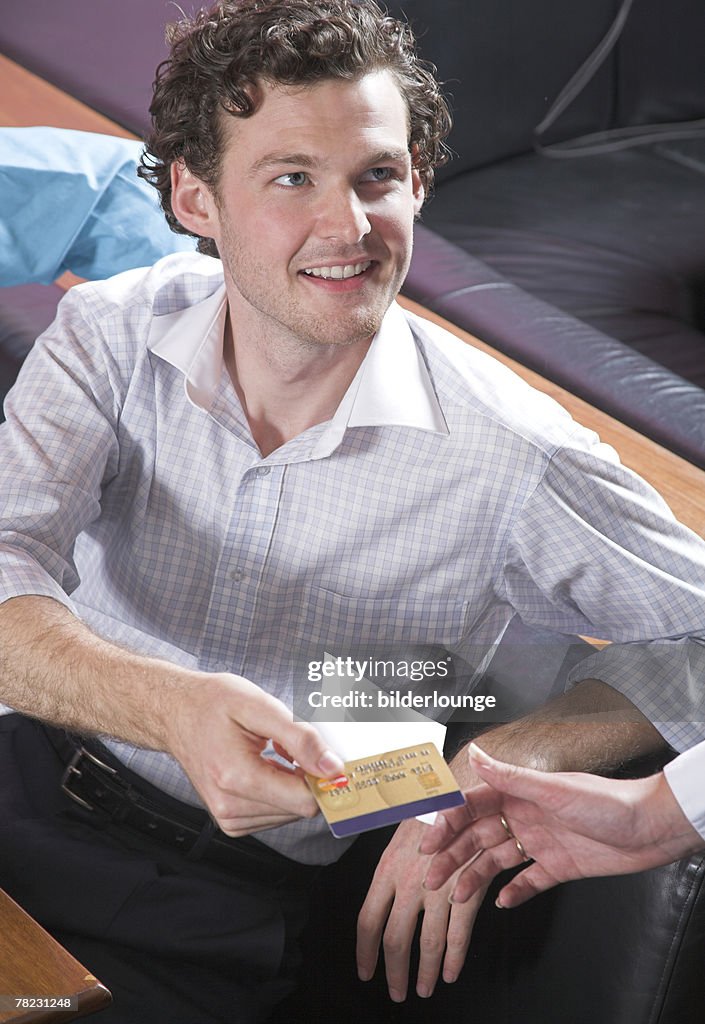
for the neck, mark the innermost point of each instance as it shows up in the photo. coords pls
(286, 389)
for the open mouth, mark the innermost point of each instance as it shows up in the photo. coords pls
(339, 273)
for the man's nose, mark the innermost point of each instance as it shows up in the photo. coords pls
(343, 216)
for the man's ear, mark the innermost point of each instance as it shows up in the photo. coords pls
(192, 201)
(418, 191)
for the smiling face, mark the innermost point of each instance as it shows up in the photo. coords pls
(314, 210)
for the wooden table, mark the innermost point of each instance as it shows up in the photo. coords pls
(34, 966)
(26, 100)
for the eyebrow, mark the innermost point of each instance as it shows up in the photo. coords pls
(282, 160)
(389, 156)
(305, 160)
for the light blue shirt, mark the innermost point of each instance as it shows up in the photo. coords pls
(442, 498)
(72, 200)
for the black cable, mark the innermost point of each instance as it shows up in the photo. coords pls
(611, 139)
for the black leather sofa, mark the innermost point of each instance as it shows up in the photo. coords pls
(589, 270)
(532, 223)
(622, 950)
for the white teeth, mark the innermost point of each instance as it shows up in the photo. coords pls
(338, 273)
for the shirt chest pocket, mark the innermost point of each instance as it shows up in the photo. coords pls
(332, 620)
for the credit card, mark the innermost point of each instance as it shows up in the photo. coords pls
(385, 789)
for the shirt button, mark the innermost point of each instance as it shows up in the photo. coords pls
(237, 575)
(263, 470)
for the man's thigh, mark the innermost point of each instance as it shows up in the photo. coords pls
(175, 941)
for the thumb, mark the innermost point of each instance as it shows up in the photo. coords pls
(307, 747)
(264, 715)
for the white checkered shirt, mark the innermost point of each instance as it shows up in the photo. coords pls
(443, 497)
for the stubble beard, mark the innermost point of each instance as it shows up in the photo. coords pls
(295, 325)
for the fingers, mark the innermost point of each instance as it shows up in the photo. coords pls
(390, 911)
(477, 875)
(218, 732)
(524, 886)
(239, 780)
(242, 774)
(390, 916)
(236, 815)
(223, 727)
(445, 937)
(526, 783)
(244, 826)
(370, 925)
(443, 940)
(477, 836)
(480, 801)
(432, 944)
(462, 920)
(398, 937)
(265, 716)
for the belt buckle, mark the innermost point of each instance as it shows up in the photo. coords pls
(73, 771)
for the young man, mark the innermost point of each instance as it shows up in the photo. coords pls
(223, 461)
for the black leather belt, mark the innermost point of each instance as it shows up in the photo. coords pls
(108, 792)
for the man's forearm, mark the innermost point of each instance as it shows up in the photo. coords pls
(590, 728)
(54, 668)
(215, 724)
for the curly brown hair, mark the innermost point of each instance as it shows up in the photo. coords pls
(219, 57)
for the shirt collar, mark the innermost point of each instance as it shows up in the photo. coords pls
(391, 388)
(191, 339)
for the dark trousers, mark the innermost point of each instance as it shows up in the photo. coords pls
(176, 941)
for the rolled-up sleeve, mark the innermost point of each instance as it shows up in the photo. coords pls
(596, 551)
(58, 448)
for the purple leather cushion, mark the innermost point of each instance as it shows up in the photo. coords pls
(468, 292)
(103, 53)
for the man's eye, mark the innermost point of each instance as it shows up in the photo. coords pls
(378, 174)
(292, 179)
